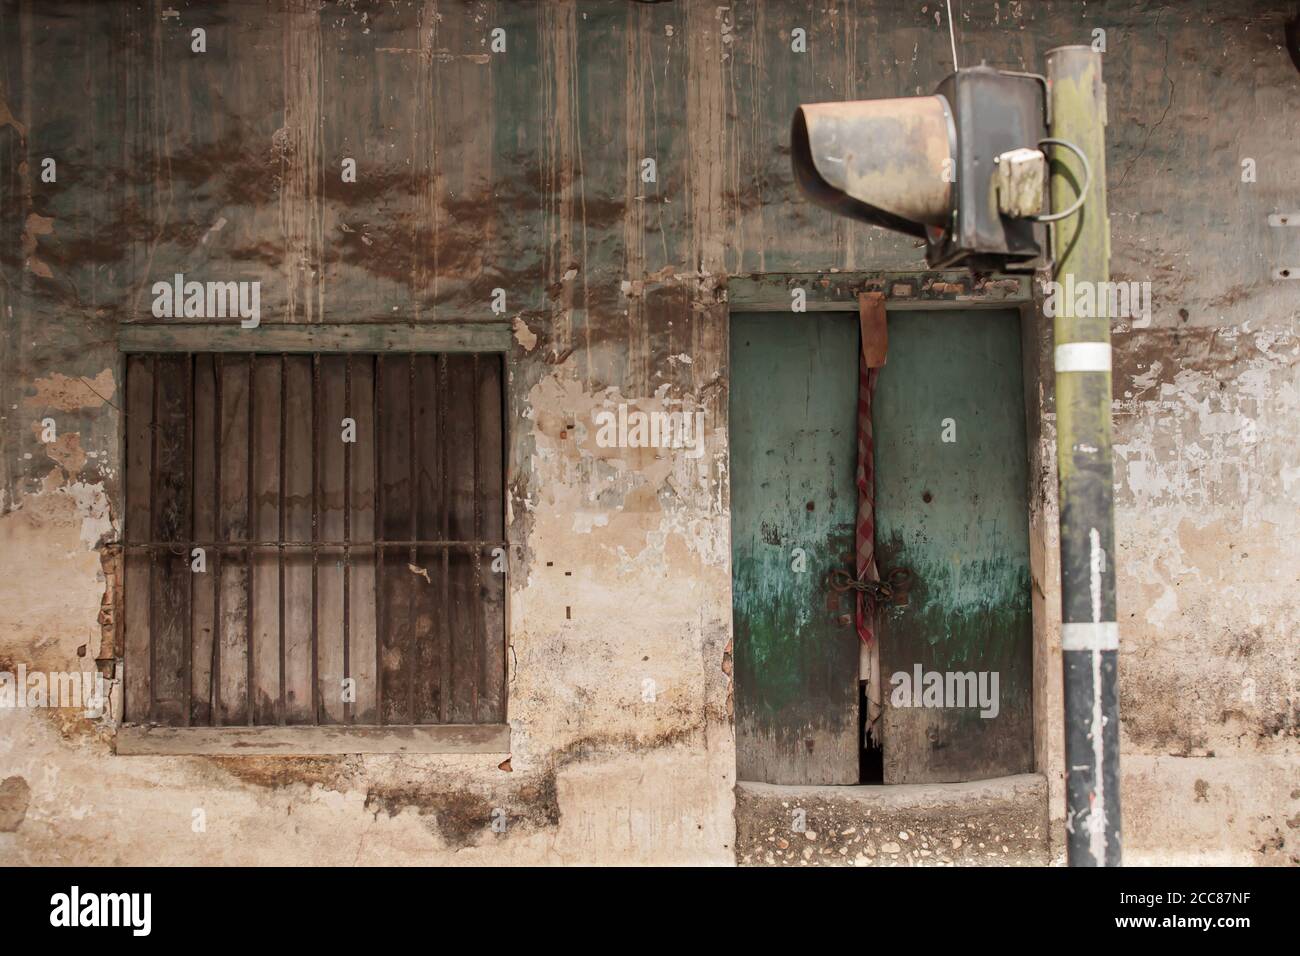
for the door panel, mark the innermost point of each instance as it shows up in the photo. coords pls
(793, 456)
(955, 513)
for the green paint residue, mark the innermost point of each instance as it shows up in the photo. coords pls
(793, 445)
(955, 512)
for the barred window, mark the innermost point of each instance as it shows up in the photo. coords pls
(314, 539)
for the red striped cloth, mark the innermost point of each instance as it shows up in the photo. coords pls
(866, 536)
(872, 321)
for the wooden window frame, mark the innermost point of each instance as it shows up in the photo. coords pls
(324, 738)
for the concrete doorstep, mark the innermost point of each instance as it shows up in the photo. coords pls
(997, 822)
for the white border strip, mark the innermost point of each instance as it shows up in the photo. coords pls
(1102, 636)
(1083, 357)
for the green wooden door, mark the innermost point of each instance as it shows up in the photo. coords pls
(951, 505)
(793, 499)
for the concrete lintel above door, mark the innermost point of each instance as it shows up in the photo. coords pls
(835, 291)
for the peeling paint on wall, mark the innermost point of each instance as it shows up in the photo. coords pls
(521, 171)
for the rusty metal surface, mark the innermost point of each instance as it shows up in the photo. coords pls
(886, 162)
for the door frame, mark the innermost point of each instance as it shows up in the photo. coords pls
(942, 289)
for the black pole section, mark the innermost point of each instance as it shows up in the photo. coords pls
(1089, 632)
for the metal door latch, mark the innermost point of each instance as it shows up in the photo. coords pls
(891, 589)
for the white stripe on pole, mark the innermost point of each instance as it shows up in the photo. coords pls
(1103, 636)
(1083, 357)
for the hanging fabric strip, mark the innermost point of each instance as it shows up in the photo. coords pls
(872, 322)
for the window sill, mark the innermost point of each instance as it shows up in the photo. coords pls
(290, 741)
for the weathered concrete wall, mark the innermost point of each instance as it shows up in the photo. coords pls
(521, 170)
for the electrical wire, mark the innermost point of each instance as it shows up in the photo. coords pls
(952, 36)
(1083, 190)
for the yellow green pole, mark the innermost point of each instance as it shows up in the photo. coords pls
(1089, 632)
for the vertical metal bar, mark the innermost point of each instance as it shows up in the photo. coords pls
(153, 536)
(315, 529)
(477, 605)
(123, 366)
(250, 578)
(413, 650)
(378, 535)
(214, 674)
(444, 656)
(284, 394)
(503, 436)
(347, 537)
(1089, 631)
(187, 649)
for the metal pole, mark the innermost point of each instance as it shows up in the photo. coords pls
(1089, 633)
